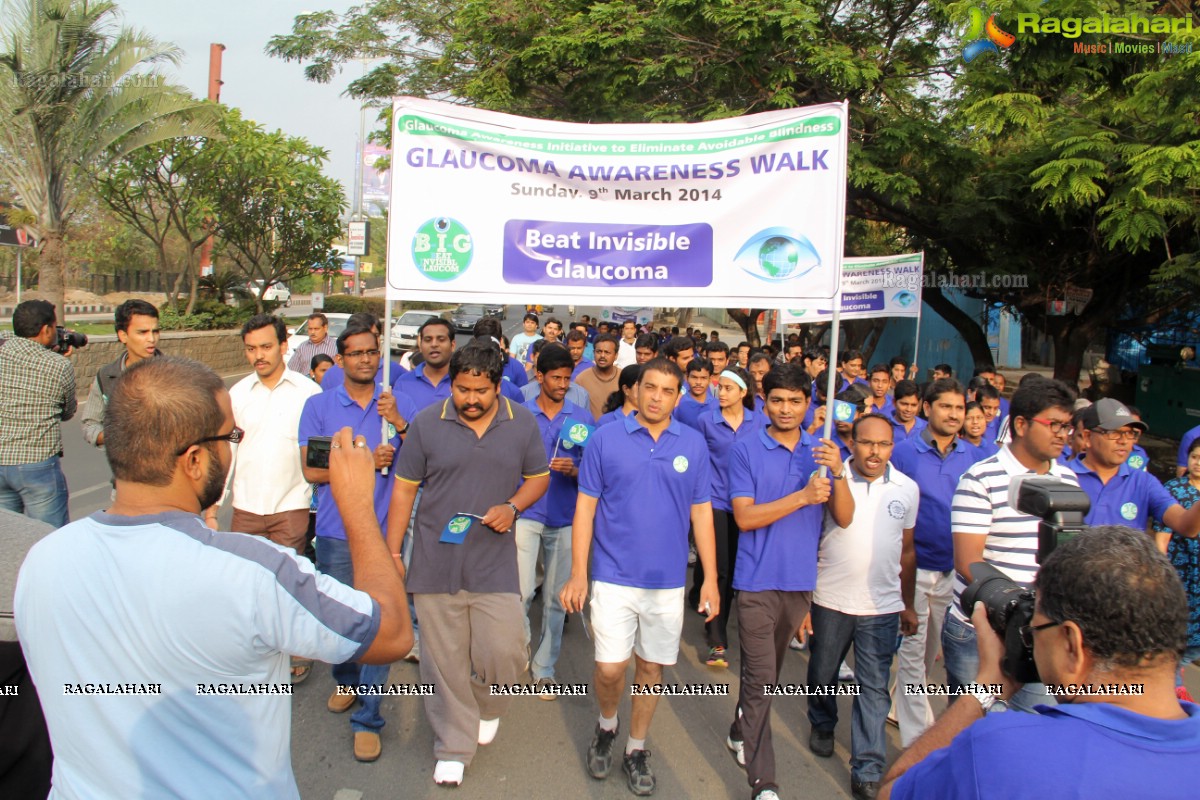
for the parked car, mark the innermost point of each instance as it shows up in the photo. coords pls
(465, 316)
(337, 324)
(404, 329)
(497, 311)
(277, 292)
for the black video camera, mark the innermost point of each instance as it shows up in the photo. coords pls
(67, 339)
(1009, 605)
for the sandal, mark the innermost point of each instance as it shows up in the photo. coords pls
(301, 669)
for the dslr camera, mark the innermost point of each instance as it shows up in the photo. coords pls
(67, 339)
(1061, 508)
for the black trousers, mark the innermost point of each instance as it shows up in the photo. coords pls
(727, 545)
(25, 755)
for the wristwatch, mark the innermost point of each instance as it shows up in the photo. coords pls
(840, 476)
(988, 701)
(516, 511)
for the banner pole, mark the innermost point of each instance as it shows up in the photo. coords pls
(387, 338)
(920, 302)
(831, 383)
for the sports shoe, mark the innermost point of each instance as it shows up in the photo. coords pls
(796, 644)
(599, 755)
(367, 746)
(739, 750)
(692, 555)
(487, 730)
(638, 772)
(448, 773)
(341, 701)
(821, 743)
(716, 657)
(767, 794)
(845, 674)
(546, 689)
(863, 790)
(414, 657)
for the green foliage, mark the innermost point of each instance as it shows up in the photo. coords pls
(350, 304)
(208, 315)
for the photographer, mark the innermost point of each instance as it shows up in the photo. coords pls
(137, 328)
(1109, 615)
(37, 394)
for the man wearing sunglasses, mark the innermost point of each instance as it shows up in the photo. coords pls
(1120, 732)
(1122, 495)
(986, 528)
(161, 646)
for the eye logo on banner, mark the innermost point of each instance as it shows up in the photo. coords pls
(904, 299)
(442, 249)
(777, 255)
(843, 411)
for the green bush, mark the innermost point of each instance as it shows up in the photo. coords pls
(350, 304)
(208, 315)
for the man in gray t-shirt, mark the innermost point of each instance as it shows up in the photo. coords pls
(480, 459)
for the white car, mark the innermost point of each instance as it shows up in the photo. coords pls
(277, 292)
(404, 329)
(337, 324)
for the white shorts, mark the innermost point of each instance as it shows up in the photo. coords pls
(626, 619)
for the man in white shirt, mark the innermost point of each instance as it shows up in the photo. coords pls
(162, 644)
(866, 577)
(986, 528)
(270, 496)
(626, 350)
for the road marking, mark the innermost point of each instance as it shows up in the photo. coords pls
(90, 489)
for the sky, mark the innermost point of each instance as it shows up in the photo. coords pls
(270, 91)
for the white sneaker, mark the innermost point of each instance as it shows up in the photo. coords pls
(448, 773)
(739, 750)
(766, 794)
(414, 656)
(487, 730)
(845, 674)
(796, 644)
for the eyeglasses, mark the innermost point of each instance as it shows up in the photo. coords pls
(870, 445)
(233, 437)
(1057, 428)
(1116, 436)
(1026, 631)
(361, 354)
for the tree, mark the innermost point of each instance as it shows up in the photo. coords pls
(74, 89)
(275, 213)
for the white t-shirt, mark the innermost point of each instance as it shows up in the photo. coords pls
(858, 567)
(266, 476)
(980, 507)
(126, 622)
(626, 354)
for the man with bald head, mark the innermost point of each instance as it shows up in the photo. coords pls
(170, 640)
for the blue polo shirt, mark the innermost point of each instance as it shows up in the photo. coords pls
(783, 555)
(335, 376)
(611, 416)
(720, 438)
(327, 413)
(1138, 458)
(937, 478)
(889, 406)
(1112, 752)
(899, 434)
(1129, 498)
(846, 451)
(417, 386)
(646, 490)
(584, 365)
(688, 411)
(514, 370)
(556, 508)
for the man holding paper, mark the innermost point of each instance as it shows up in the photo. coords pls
(481, 461)
(546, 525)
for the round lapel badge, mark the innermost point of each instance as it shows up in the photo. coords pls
(1129, 511)
(680, 463)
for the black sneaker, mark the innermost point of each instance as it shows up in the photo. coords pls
(863, 790)
(821, 743)
(637, 770)
(599, 755)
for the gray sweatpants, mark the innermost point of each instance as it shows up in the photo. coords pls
(468, 642)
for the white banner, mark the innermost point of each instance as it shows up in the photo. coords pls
(871, 287)
(488, 207)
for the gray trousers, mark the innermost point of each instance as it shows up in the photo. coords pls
(767, 621)
(468, 642)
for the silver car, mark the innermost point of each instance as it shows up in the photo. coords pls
(404, 329)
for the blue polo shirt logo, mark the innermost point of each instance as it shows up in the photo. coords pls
(680, 463)
(1129, 510)
(895, 509)
(1136, 461)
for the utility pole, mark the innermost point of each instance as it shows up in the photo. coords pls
(214, 94)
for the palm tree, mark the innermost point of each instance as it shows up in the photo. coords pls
(76, 91)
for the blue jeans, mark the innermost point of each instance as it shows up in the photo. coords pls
(333, 559)
(555, 544)
(37, 490)
(962, 665)
(874, 640)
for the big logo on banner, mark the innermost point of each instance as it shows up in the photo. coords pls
(496, 208)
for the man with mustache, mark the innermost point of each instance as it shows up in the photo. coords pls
(360, 404)
(479, 461)
(137, 327)
(173, 638)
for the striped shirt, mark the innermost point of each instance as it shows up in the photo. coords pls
(37, 394)
(980, 507)
(301, 360)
